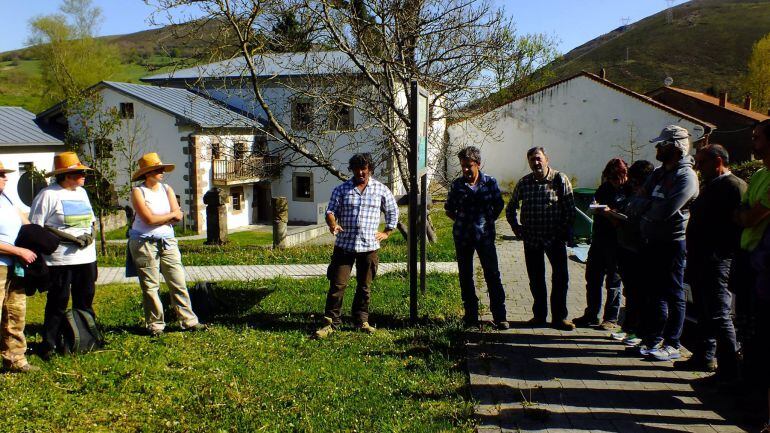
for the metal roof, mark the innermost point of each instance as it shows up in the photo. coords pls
(272, 65)
(18, 126)
(713, 100)
(185, 104)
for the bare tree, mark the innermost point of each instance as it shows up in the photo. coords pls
(367, 54)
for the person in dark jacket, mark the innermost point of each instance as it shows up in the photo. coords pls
(670, 190)
(712, 241)
(603, 254)
(474, 203)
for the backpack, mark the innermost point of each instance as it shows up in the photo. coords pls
(78, 333)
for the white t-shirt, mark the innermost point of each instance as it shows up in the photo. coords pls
(10, 223)
(69, 211)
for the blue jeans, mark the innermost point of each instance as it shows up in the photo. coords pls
(602, 267)
(556, 251)
(488, 258)
(665, 279)
(710, 275)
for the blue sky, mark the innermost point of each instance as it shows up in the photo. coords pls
(573, 22)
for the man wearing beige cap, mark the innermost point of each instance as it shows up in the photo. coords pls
(669, 191)
(13, 300)
(66, 208)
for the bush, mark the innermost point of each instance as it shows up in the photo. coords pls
(746, 169)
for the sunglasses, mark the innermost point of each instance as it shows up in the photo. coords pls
(78, 173)
(2, 176)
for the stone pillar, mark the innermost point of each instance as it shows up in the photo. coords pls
(280, 221)
(216, 217)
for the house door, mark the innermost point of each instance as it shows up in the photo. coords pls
(262, 211)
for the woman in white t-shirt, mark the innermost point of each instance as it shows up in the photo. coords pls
(154, 249)
(65, 207)
(13, 299)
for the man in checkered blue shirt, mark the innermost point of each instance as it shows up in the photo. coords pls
(353, 216)
(474, 203)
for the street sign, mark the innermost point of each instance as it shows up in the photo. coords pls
(418, 213)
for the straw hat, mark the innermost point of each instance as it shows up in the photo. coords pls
(150, 162)
(5, 170)
(66, 162)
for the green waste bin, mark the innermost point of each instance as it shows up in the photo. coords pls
(583, 226)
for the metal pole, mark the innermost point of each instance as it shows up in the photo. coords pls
(423, 229)
(413, 188)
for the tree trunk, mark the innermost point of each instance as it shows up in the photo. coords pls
(102, 237)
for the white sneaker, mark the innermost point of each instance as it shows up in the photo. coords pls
(645, 350)
(632, 341)
(618, 336)
(665, 353)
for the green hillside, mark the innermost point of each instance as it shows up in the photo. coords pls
(705, 48)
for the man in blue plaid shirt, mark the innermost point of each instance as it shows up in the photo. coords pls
(353, 216)
(474, 203)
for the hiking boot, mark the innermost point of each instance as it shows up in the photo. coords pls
(154, 333)
(563, 325)
(609, 325)
(366, 328)
(665, 353)
(325, 330)
(696, 363)
(26, 368)
(198, 327)
(502, 325)
(585, 321)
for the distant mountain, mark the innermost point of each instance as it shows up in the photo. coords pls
(705, 46)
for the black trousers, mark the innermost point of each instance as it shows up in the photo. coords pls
(77, 280)
(556, 251)
(488, 257)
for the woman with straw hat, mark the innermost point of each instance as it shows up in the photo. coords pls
(13, 299)
(154, 248)
(64, 207)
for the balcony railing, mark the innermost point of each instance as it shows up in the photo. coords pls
(245, 170)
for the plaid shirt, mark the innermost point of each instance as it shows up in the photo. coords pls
(547, 207)
(475, 212)
(358, 213)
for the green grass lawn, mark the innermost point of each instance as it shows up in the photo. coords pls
(251, 248)
(255, 369)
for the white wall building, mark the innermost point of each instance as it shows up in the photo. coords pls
(582, 122)
(24, 146)
(210, 145)
(287, 80)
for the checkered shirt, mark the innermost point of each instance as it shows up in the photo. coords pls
(358, 213)
(475, 212)
(547, 208)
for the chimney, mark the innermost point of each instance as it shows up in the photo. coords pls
(722, 99)
(747, 102)
(603, 73)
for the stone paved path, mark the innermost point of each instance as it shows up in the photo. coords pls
(538, 380)
(253, 272)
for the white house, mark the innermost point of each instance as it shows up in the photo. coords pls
(294, 86)
(582, 122)
(210, 144)
(25, 145)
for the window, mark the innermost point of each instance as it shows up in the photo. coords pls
(341, 117)
(259, 146)
(236, 195)
(103, 148)
(240, 150)
(302, 186)
(216, 150)
(301, 115)
(126, 110)
(31, 182)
